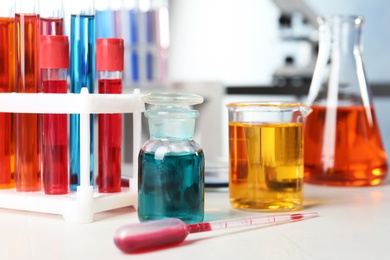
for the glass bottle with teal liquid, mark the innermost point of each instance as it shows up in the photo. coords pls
(171, 163)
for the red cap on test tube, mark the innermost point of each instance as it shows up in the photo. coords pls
(54, 52)
(109, 54)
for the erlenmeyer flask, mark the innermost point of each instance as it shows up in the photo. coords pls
(343, 144)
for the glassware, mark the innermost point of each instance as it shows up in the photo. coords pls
(7, 84)
(109, 64)
(147, 40)
(52, 17)
(28, 126)
(54, 64)
(266, 155)
(342, 134)
(82, 74)
(171, 163)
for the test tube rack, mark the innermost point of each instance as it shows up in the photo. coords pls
(81, 205)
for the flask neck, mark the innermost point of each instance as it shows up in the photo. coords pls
(342, 33)
(339, 76)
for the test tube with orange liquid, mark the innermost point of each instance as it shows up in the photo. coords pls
(28, 128)
(7, 84)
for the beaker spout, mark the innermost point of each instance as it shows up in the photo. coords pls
(305, 110)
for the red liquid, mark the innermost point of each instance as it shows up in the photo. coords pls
(7, 178)
(55, 141)
(163, 237)
(28, 133)
(52, 26)
(7, 84)
(110, 142)
(55, 144)
(346, 150)
(199, 227)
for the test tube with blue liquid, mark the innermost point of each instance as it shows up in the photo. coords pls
(156, 22)
(131, 8)
(148, 33)
(104, 20)
(82, 74)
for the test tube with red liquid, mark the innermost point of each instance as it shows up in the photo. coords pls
(7, 84)
(109, 64)
(54, 61)
(28, 128)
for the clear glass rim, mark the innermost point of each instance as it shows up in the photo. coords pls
(279, 104)
(357, 19)
(172, 99)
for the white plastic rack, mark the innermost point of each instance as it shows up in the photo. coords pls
(81, 205)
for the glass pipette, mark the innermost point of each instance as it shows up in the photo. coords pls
(159, 233)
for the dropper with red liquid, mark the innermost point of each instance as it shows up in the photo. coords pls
(167, 232)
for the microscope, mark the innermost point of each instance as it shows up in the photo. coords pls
(299, 32)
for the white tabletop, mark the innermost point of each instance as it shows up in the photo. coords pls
(353, 224)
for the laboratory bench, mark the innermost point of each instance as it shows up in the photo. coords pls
(353, 223)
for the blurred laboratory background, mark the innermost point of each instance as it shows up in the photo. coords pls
(237, 50)
(267, 49)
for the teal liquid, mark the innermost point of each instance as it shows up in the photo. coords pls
(82, 74)
(172, 187)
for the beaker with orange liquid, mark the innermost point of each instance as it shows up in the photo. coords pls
(266, 155)
(343, 143)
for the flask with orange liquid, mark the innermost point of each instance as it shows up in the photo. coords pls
(342, 139)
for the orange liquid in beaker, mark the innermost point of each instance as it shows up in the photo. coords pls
(266, 166)
(343, 147)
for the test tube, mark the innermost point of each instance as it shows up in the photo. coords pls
(110, 63)
(28, 132)
(131, 8)
(154, 41)
(163, 42)
(7, 84)
(104, 19)
(52, 17)
(117, 7)
(54, 61)
(82, 74)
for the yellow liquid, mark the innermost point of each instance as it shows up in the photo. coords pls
(266, 166)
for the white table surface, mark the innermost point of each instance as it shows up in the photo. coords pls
(354, 223)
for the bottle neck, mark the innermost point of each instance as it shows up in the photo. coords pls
(171, 124)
